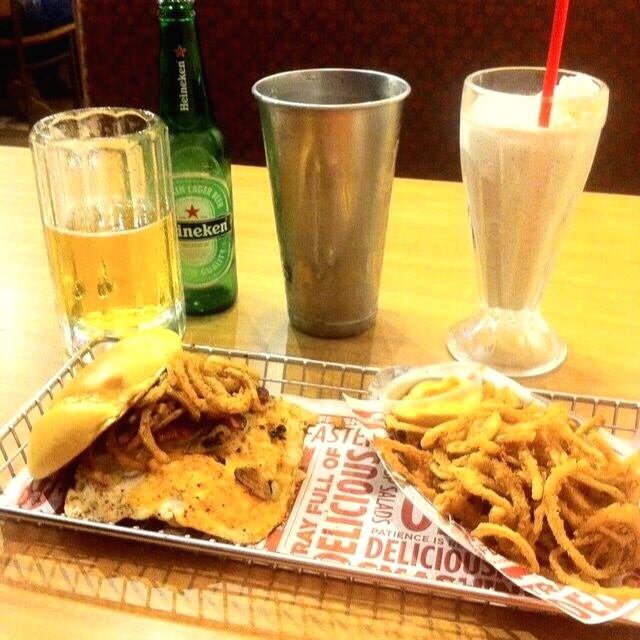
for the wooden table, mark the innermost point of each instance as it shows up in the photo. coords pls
(58, 584)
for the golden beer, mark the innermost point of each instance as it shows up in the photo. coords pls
(113, 282)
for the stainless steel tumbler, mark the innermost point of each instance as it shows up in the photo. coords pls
(331, 138)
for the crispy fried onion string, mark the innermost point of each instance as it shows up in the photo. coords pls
(194, 386)
(534, 485)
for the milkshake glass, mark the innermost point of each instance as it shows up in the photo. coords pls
(522, 183)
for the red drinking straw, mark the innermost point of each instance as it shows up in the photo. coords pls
(553, 60)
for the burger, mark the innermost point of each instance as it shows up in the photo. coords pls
(150, 431)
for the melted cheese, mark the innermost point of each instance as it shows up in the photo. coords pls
(198, 488)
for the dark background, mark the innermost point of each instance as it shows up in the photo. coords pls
(433, 44)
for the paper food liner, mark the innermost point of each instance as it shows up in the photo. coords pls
(587, 608)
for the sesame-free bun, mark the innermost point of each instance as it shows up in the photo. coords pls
(97, 396)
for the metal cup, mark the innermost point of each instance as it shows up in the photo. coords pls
(107, 206)
(331, 137)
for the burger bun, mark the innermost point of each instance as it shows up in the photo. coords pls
(97, 396)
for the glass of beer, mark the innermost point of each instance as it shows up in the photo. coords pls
(107, 206)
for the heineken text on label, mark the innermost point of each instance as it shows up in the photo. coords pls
(203, 230)
(182, 78)
(203, 209)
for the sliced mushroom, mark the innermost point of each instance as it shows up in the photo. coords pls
(251, 479)
(279, 432)
(216, 437)
(263, 395)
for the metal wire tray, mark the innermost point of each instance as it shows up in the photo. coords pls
(281, 375)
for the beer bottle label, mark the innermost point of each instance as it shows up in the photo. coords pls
(205, 232)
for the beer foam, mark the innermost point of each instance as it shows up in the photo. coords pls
(522, 111)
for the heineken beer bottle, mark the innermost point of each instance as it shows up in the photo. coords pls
(201, 165)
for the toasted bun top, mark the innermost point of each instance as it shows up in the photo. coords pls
(99, 394)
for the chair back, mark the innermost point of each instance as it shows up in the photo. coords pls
(30, 52)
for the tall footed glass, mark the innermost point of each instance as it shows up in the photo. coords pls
(522, 183)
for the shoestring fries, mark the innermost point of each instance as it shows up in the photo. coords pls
(533, 484)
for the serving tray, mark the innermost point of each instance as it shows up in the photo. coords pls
(336, 529)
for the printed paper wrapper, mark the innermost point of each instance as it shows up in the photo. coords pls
(350, 512)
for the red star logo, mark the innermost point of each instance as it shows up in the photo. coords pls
(180, 51)
(192, 211)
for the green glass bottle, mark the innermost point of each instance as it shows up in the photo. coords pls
(201, 166)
